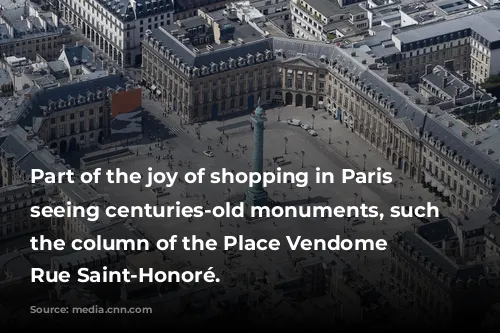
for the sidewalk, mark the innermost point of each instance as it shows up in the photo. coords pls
(411, 193)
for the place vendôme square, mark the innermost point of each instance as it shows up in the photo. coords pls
(272, 164)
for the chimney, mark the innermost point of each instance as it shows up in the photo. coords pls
(428, 69)
(445, 82)
(77, 43)
(457, 94)
(448, 64)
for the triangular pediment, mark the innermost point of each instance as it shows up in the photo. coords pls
(300, 61)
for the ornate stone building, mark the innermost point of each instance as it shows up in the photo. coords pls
(429, 281)
(118, 27)
(209, 66)
(74, 116)
(415, 136)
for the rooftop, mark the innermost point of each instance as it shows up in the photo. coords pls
(486, 24)
(438, 258)
(247, 39)
(330, 8)
(66, 96)
(130, 10)
(25, 20)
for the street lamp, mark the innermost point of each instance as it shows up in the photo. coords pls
(364, 162)
(227, 143)
(329, 135)
(223, 122)
(303, 154)
(313, 117)
(346, 148)
(286, 143)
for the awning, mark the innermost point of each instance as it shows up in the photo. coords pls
(158, 92)
(435, 183)
(447, 193)
(440, 188)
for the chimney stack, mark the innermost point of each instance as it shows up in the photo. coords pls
(457, 94)
(448, 64)
(445, 82)
(474, 91)
(428, 69)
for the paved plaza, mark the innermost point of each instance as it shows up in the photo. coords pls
(186, 148)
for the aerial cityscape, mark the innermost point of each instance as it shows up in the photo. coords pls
(409, 87)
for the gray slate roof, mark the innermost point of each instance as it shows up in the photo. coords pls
(437, 231)
(486, 24)
(78, 54)
(252, 45)
(453, 270)
(42, 97)
(124, 10)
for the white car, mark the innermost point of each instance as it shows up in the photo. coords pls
(312, 132)
(306, 126)
(294, 122)
(208, 153)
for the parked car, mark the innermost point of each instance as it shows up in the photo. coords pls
(294, 122)
(306, 126)
(312, 132)
(208, 153)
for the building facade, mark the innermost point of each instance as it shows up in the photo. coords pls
(74, 116)
(15, 205)
(433, 284)
(325, 20)
(209, 66)
(472, 42)
(28, 31)
(117, 28)
(184, 9)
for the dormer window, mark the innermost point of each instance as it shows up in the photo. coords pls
(100, 94)
(232, 63)
(81, 99)
(269, 55)
(71, 101)
(213, 68)
(260, 57)
(241, 61)
(62, 104)
(204, 70)
(222, 66)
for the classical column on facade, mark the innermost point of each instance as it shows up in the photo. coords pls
(256, 195)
